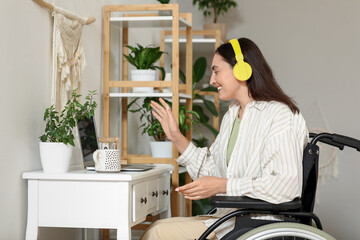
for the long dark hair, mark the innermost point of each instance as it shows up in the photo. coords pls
(262, 84)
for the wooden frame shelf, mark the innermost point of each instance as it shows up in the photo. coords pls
(136, 19)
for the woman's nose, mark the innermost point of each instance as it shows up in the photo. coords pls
(212, 79)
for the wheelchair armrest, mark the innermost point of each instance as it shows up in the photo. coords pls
(250, 203)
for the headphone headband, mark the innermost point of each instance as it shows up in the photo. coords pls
(242, 70)
(236, 46)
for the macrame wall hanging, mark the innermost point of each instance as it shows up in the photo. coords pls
(68, 54)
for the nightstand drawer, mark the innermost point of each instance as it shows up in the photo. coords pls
(164, 193)
(140, 201)
(153, 195)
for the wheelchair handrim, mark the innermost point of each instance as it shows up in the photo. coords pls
(285, 230)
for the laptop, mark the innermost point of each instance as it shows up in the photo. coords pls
(88, 141)
(89, 144)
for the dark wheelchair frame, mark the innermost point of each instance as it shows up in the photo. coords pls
(299, 210)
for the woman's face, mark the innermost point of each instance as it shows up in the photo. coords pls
(223, 79)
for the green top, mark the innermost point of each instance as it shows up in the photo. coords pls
(233, 137)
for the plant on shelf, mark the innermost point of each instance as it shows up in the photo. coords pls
(216, 8)
(199, 69)
(152, 126)
(144, 60)
(59, 129)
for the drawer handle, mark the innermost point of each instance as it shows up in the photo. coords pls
(143, 200)
(155, 193)
(165, 192)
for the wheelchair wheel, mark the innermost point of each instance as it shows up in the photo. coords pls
(285, 231)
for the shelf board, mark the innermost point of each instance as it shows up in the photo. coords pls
(194, 40)
(149, 21)
(199, 101)
(163, 95)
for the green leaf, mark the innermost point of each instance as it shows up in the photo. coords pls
(211, 128)
(194, 113)
(131, 48)
(136, 110)
(209, 89)
(199, 69)
(202, 116)
(130, 59)
(182, 76)
(43, 138)
(131, 103)
(147, 104)
(208, 104)
(162, 71)
(181, 119)
(201, 142)
(163, 1)
(71, 141)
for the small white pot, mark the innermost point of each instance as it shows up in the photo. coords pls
(55, 157)
(161, 149)
(143, 75)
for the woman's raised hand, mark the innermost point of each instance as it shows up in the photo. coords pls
(166, 119)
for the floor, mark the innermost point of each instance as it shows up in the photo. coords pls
(135, 234)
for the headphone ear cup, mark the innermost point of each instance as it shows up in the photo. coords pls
(242, 71)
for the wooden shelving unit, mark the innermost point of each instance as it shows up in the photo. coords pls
(137, 18)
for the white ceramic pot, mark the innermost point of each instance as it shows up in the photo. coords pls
(55, 157)
(143, 75)
(161, 149)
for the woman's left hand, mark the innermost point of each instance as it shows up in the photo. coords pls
(203, 187)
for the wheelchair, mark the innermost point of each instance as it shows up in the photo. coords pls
(298, 214)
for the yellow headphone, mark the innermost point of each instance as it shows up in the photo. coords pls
(242, 70)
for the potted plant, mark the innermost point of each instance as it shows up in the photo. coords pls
(57, 143)
(160, 147)
(144, 59)
(217, 8)
(199, 69)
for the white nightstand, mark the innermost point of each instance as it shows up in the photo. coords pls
(83, 199)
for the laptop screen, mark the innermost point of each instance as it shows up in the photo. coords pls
(88, 140)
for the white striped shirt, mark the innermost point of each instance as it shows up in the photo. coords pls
(266, 162)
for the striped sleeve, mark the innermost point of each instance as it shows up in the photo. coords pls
(281, 168)
(198, 161)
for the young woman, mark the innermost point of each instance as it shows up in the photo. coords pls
(258, 151)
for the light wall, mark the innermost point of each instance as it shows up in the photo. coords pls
(312, 46)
